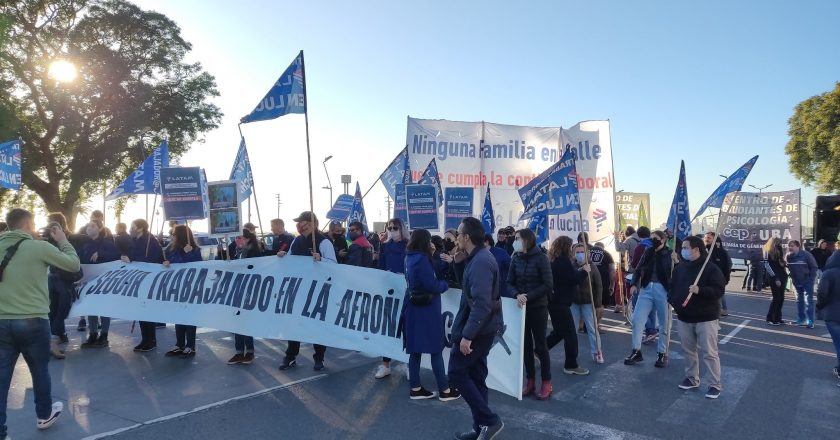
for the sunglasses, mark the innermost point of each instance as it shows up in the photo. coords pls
(393, 228)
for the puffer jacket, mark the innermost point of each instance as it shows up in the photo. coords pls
(585, 290)
(530, 273)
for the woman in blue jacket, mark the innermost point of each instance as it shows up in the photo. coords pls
(423, 323)
(392, 259)
(182, 249)
(100, 249)
(145, 249)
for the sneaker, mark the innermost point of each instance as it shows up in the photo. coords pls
(724, 312)
(809, 324)
(689, 384)
(579, 371)
(382, 371)
(490, 432)
(634, 358)
(82, 325)
(421, 394)
(468, 435)
(598, 357)
(247, 359)
(90, 342)
(287, 363)
(57, 407)
(662, 361)
(319, 365)
(773, 323)
(453, 394)
(236, 359)
(713, 393)
(175, 352)
(837, 372)
(144, 347)
(187, 353)
(799, 323)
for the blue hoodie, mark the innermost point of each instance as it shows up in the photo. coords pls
(802, 267)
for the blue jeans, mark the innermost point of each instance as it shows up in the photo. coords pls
(650, 325)
(31, 338)
(805, 301)
(94, 321)
(723, 302)
(437, 367)
(653, 298)
(585, 311)
(242, 343)
(834, 330)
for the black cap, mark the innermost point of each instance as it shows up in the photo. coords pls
(306, 216)
(250, 226)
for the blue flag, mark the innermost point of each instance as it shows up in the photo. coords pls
(430, 177)
(286, 96)
(10, 165)
(731, 184)
(539, 224)
(556, 192)
(679, 216)
(397, 172)
(241, 172)
(357, 212)
(487, 217)
(146, 178)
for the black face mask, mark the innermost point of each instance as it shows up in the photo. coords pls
(656, 243)
(448, 245)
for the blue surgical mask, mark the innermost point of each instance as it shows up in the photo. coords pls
(686, 254)
(580, 257)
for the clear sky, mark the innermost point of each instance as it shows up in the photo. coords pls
(710, 82)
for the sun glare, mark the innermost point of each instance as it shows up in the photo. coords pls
(62, 71)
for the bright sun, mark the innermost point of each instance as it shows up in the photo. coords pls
(62, 71)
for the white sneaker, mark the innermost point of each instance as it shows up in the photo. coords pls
(382, 372)
(57, 407)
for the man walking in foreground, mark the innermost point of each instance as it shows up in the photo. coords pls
(25, 304)
(476, 325)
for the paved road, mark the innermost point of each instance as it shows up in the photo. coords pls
(777, 384)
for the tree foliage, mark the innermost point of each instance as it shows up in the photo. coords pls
(133, 89)
(814, 146)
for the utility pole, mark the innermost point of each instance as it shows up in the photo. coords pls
(388, 204)
(277, 196)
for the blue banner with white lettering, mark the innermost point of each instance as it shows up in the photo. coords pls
(357, 211)
(487, 216)
(431, 177)
(146, 178)
(285, 96)
(10, 164)
(539, 224)
(400, 205)
(731, 184)
(679, 214)
(183, 195)
(422, 203)
(341, 208)
(398, 171)
(241, 172)
(556, 192)
(457, 206)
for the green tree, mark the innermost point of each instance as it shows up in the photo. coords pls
(133, 89)
(814, 146)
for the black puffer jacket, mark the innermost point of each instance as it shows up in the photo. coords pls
(586, 289)
(653, 260)
(705, 305)
(530, 273)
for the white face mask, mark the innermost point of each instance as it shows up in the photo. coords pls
(517, 246)
(394, 235)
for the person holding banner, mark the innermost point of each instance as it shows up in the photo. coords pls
(182, 249)
(530, 282)
(247, 246)
(775, 266)
(360, 252)
(588, 293)
(566, 279)
(339, 241)
(803, 274)
(392, 259)
(146, 249)
(696, 299)
(424, 326)
(281, 240)
(100, 249)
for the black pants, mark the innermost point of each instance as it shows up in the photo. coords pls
(536, 321)
(184, 335)
(294, 349)
(774, 314)
(468, 373)
(61, 298)
(148, 334)
(563, 329)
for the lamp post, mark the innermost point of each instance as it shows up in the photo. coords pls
(329, 182)
(762, 188)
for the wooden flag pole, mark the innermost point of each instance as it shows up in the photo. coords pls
(599, 355)
(308, 154)
(708, 254)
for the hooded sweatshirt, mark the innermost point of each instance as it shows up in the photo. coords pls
(23, 291)
(802, 267)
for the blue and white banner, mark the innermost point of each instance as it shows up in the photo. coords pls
(241, 171)
(357, 211)
(422, 204)
(285, 96)
(146, 178)
(487, 217)
(398, 171)
(10, 171)
(400, 204)
(731, 184)
(679, 213)
(341, 208)
(183, 193)
(457, 206)
(432, 177)
(556, 192)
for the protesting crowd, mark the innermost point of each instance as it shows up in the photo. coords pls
(569, 284)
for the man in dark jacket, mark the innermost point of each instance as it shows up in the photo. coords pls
(828, 303)
(339, 241)
(478, 322)
(502, 259)
(360, 252)
(721, 259)
(281, 241)
(698, 312)
(122, 239)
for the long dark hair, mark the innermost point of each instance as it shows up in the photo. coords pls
(421, 241)
(561, 247)
(182, 236)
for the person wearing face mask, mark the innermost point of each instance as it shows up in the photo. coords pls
(144, 249)
(776, 268)
(503, 260)
(392, 259)
(101, 249)
(339, 241)
(530, 281)
(721, 259)
(247, 246)
(698, 313)
(650, 281)
(803, 273)
(360, 252)
(566, 280)
(588, 293)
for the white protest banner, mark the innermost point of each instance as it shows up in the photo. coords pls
(290, 298)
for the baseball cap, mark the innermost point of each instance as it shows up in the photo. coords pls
(306, 216)
(249, 226)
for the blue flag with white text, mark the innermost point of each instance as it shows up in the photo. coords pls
(146, 178)
(10, 171)
(539, 224)
(731, 184)
(241, 172)
(679, 216)
(487, 216)
(285, 96)
(556, 191)
(430, 177)
(398, 171)
(357, 212)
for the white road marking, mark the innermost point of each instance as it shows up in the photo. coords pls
(734, 332)
(715, 413)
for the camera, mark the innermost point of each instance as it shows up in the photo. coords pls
(45, 233)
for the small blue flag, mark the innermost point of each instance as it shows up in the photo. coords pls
(286, 96)
(357, 212)
(10, 171)
(556, 192)
(539, 224)
(731, 184)
(430, 177)
(146, 178)
(487, 217)
(679, 216)
(241, 172)
(398, 171)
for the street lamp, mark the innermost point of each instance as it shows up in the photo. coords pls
(762, 188)
(329, 182)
